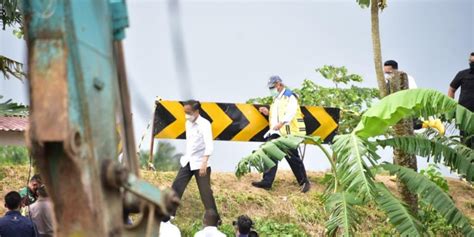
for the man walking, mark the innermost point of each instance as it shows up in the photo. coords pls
(285, 118)
(13, 224)
(465, 80)
(195, 162)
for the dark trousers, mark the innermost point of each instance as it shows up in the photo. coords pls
(204, 185)
(296, 165)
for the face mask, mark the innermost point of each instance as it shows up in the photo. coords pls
(471, 65)
(387, 75)
(190, 118)
(274, 92)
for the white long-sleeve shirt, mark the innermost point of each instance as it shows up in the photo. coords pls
(198, 143)
(290, 111)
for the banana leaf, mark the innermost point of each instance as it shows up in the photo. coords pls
(273, 151)
(288, 142)
(268, 163)
(464, 119)
(391, 109)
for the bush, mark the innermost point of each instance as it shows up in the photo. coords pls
(13, 155)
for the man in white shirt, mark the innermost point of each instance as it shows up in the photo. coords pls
(168, 229)
(389, 68)
(210, 221)
(195, 162)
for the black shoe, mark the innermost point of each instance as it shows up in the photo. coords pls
(305, 187)
(262, 185)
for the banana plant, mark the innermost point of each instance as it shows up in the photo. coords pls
(354, 154)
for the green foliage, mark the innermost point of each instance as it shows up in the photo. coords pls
(454, 154)
(343, 214)
(430, 193)
(338, 74)
(366, 3)
(434, 221)
(432, 172)
(9, 108)
(402, 104)
(165, 158)
(353, 158)
(398, 214)
(10, 67)
(270, 227)
(10, 16)
(266, 156)
(352, 182)
(463, 118)
(9, 13)
(13, 155)
(351, 99)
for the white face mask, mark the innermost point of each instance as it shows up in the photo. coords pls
(190, 118)
(274, 92)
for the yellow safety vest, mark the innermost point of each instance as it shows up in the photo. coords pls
(278, 108)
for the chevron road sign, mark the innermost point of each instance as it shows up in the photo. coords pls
(238, 122)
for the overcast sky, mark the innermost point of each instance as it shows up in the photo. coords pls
(233, 46)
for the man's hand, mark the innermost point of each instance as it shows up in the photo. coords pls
(278, 126)
(263, 110)
(203, 169)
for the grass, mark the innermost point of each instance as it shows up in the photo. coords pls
(281, 210)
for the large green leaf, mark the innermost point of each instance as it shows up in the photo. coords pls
(456, 156)
(391, 109)
(352, 169)
(398, 214)
(463, 118)
(343, 214)
(271, 152)
(430, 193)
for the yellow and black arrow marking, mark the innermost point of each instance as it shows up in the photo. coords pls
(238, 122)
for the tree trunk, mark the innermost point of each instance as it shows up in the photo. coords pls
(374, 13)
(398, 82)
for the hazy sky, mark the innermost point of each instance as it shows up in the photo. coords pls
(233, 46)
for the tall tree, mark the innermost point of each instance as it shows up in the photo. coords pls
(404, 127)
(399, 81)
(375, 7)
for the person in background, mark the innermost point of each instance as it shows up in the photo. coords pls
(285, 119)
(13, 224)
(168, 229)
(195, 162)
(41, 212)
(465, 80)
(29, 194)
(243, 227)
(389, 68)
(210, 222)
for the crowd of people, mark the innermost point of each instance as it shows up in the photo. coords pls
(30, 210)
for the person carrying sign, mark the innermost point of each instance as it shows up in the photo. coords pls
(285, 118)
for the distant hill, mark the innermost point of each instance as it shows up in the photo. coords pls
(281, 210)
